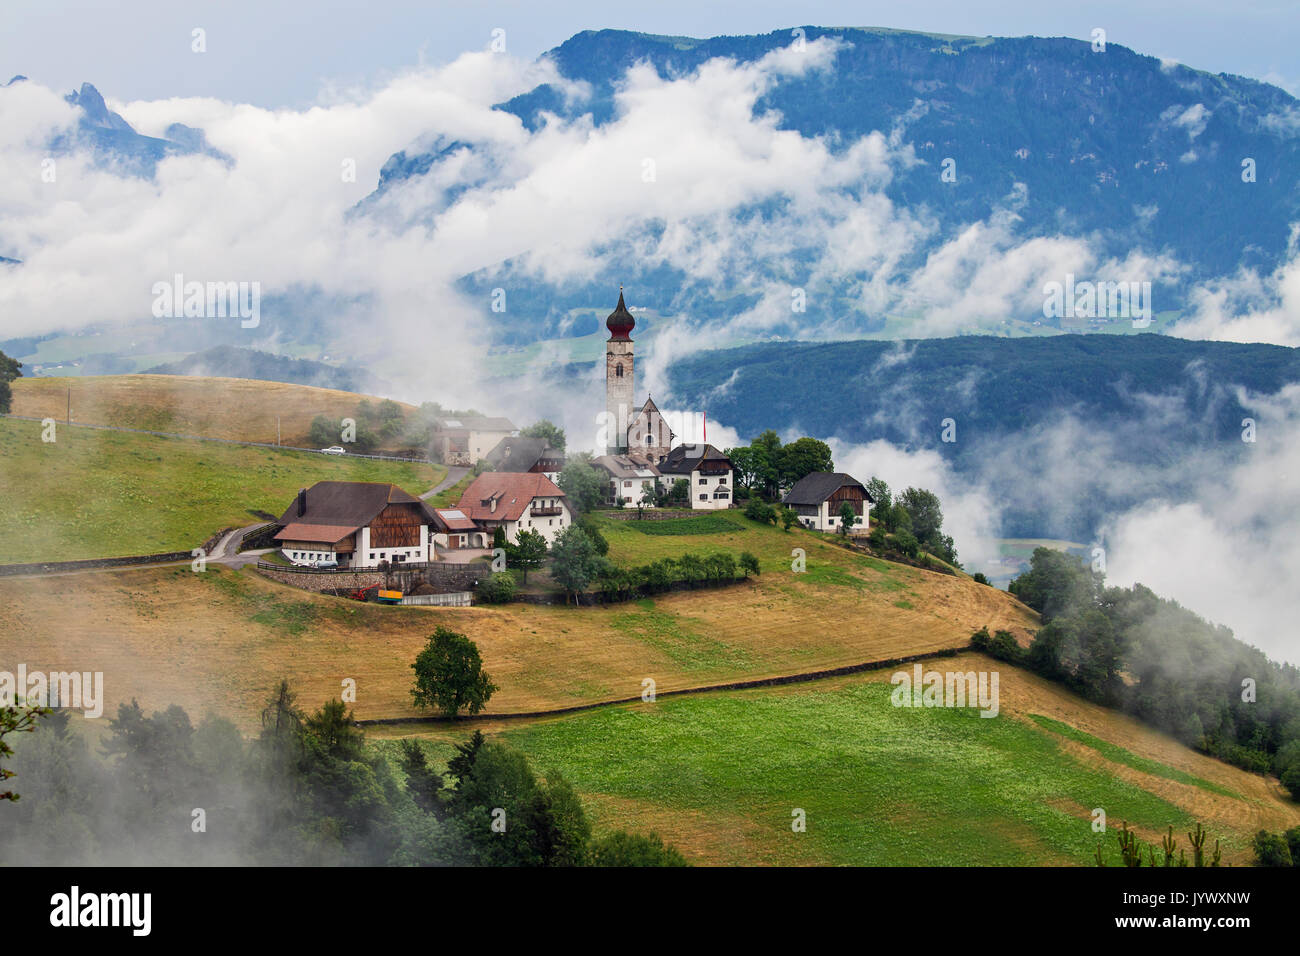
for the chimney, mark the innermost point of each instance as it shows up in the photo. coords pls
(302, 502)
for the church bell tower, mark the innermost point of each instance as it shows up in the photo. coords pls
(619, 377)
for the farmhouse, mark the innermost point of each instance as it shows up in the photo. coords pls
(708, 470)
(355, 524)
(523, 454)
(515, 502)
(632, 477)
(463, 441)
(818, 497)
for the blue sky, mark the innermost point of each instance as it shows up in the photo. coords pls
(285, 54)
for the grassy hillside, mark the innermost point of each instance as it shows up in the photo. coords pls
(719, 775)
(236, 408)
(94, 494)
(219, 638)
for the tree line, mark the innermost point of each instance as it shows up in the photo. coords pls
(1150, 657)
(307, 790)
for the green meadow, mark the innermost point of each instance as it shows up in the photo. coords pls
(94, 494)
(879, 785)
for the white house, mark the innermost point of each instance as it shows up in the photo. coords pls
(463, 441)
(631, 477)
(712, 479)
(516, 501)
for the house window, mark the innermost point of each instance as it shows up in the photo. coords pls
(704, 497)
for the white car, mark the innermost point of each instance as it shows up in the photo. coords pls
(333, 450)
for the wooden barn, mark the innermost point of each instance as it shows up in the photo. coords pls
(818, 497)
(356, 524)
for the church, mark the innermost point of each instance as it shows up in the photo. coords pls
(640, 457)
(629, 428)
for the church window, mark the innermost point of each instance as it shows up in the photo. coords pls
(618, 370)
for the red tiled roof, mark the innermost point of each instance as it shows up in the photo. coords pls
(454, 519)
(512, 491)
(327, 533)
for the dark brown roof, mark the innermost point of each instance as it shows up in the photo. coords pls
(349, 503)
(684, 459)
(520, 453)
(815, 488)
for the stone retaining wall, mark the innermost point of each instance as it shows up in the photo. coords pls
(93, 563)
(650, 514)
(447, 577)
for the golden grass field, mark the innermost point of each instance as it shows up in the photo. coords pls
(235, 408)
(220, 639)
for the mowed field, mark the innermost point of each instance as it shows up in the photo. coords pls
(720, 775)
(220, 639)
(235, 408)
(94, 493)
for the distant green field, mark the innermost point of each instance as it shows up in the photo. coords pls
(880, 785)
(95, 494)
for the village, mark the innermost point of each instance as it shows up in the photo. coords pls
(516, 498)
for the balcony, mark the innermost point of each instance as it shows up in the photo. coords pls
(537, 512)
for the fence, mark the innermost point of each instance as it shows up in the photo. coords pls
(303, 569)
(93, 564)
(454, 599)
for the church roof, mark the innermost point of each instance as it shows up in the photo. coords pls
(650, 408)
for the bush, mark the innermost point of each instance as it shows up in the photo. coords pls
(748, 564)
(906, 543)
(1001, 645)
(1271, 849)
(878, 539)
(979, 578)
(1247, 758)
(629, 849)
(760, 511)
(497, 588)
(1291, 780)
(597, 539)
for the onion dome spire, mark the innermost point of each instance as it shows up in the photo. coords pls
(620, 321)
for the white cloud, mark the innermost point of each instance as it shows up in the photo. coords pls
(1249, 307)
